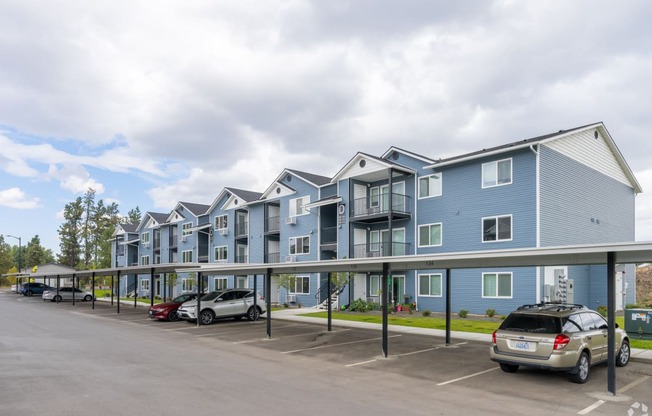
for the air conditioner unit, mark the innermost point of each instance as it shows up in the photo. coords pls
(224, 231)
(290, 259)
(183, 238)
(292, 298)
(291, 220)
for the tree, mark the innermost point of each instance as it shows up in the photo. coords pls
(6, 259)
(134, 216)
(70, 233)
(88, 225)
(35, 253)
(287, 282)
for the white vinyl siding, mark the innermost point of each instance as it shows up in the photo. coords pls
(430, 186)
(497, 285)
(430, 285)
(497, 173)
(430, 235)
(497, 228)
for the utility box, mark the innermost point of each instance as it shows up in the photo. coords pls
(638, 323)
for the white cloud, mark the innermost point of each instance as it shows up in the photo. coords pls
(16, 198)
(75, 179)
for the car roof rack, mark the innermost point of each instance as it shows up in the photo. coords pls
(551, 306)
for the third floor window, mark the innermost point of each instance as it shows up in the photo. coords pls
(497, 173)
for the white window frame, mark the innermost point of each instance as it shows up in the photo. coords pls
(430, 292)
(497, 219)
(145, 238)
(498, 275)
(186, 284)
(302, 279)
(438, 178)
(185, 255)
(293, 242)
(297, 206)
(374, 197)
(374, 285)
(144, 285)
(221, 222)
(493, 168)
(441, 235)
(220, 283)
(144, 260)
(185, 229)
(221, 250)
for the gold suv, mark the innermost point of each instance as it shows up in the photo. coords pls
(558, 337)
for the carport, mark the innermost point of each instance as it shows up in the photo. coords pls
(605, 254)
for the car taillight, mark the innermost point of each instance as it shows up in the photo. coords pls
(561, 341)
(493, 337)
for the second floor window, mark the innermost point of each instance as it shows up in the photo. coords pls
(221, 222)
(144, 261)
(186, 256)
(429, 235)
(144, 238)
(430, 186)
(221, 253)
(497, 228)
(186, 229)
(300, 245)
(497, 173)
(298, 206)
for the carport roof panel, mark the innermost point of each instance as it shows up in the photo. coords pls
(158, 268)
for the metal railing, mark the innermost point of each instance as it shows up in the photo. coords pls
(273, 258)
(379, 204)
(380, 249)
(272, 224)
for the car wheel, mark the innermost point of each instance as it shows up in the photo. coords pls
(57, 298)
(581, 372)
(88, 298)
(253, 313)
(509, 368)
(173, 316)
(29, 293)
(207, 316)
(623, 355)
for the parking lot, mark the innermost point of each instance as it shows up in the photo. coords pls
(417, 365)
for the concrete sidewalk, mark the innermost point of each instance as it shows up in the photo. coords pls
(638, 355)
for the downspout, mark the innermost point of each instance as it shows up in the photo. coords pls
(538, 219)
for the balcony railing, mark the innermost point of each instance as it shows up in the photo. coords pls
(272, 224)
(273, 258)
(242, 259)
(379, 205)
(242, 229)
(328, 235)
(380, 250)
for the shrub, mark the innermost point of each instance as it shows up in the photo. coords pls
(491, 312)
(602, 310)
(463, 313)
(426, 312)
(503, 317)
(360, 305)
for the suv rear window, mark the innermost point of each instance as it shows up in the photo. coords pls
(531, 323)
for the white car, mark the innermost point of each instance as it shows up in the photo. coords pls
(66, 293)
(230, 303)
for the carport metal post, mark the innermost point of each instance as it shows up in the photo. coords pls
(200, 290)
(112, 286)
(92, 291)
(165, 287)
(151, 287)
(73, 289)
(385, 297)
(255, 291)
(611, 322)
(57, 286)
(448, 307)
(135, 290)
(117, 294)
(330, 307)
(268, 300)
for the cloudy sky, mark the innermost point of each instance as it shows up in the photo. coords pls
(152, 102)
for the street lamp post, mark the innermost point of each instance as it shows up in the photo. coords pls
(20, 252)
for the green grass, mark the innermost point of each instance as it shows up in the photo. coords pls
(457, 324)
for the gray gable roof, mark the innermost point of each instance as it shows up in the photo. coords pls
(196, 209)
(246, 196)
(129, 228)
(311, 177)
(159, 217)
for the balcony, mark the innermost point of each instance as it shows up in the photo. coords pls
(380, 250)
(272, 224)
(273, 258)
(242, 259)
(242, 229)
(376, 208)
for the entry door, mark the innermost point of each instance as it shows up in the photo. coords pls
(359, 243)
(359, 199)
(397, 291)
(360, 286)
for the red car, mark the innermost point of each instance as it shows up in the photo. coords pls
(168, 311)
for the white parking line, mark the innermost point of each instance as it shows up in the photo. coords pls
(591, 408)
(337, 345)
(288, 336)
(599, 403)
(360, 363)
(469, 376)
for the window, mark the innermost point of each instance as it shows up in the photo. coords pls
(430, 235)
(301, 286)
(300, 245)
(186, 256)
(298, 206)
(221, 253)
(144, 238)
(374, 286)
(144, 285)
(221, 222)
(496, 285)
(497, 228)
(186, 229)
(430, 186)
(144, 260)
(430, 284)
(497, 173)
(220, 283)
(374, 197)
(186, 284)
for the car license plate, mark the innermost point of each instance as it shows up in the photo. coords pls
(522, 345)
(151, 313)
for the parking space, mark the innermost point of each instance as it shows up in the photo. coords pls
(418, 358)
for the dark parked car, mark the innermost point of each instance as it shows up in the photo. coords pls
(32, 288)
(168, 310)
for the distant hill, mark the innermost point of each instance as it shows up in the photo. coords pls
(644, 286)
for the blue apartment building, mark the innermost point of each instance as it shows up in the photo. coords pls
(570, 187)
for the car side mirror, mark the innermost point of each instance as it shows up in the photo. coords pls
(617, 326)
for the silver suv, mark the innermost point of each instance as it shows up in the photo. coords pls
(558, 337)
(230, 303)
